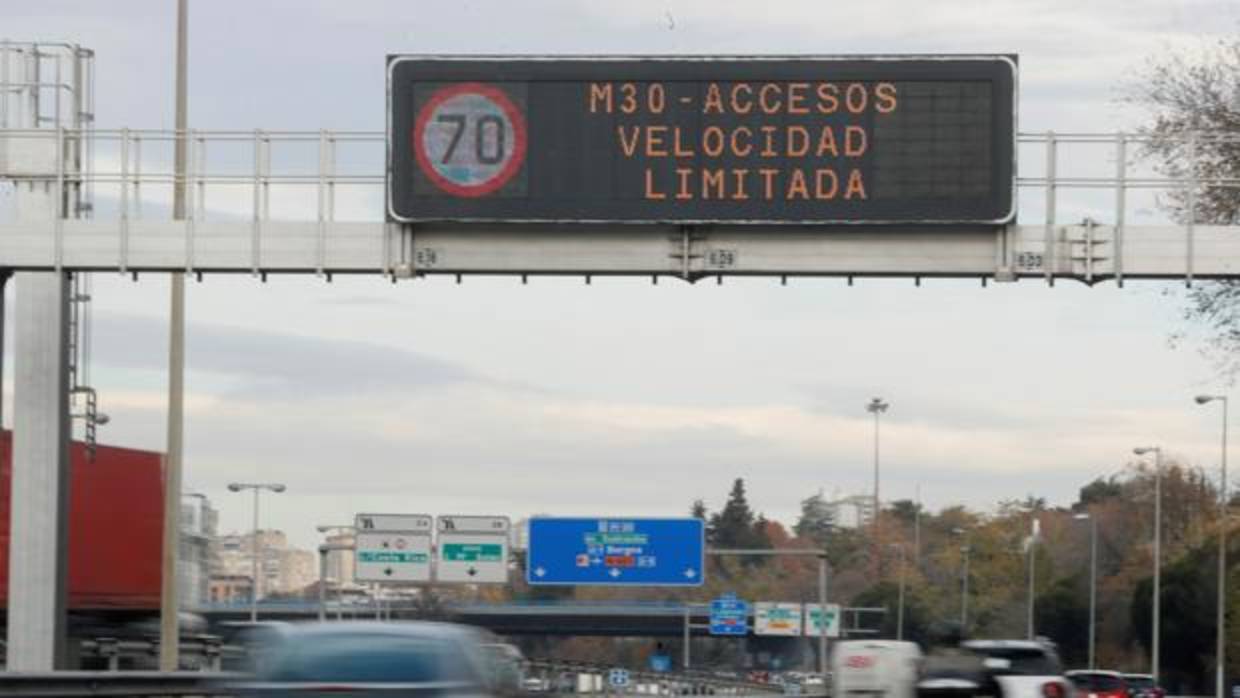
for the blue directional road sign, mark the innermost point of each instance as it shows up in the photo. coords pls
(729, 616)
(619, 551)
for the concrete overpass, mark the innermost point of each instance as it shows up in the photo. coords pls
(596, 618)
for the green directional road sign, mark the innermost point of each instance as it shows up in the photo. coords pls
(472, 549)
(478, 552)
(393, 556)
(396, 557)
(813, 620)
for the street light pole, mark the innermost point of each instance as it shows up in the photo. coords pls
(254, 563)
(1033, 559)
(900, 603)
(169, 607)
(256, 487)
(1157, 600)
(1220, 622)
(1093, 580)
(964, 591)
(964, 585)
(877, 406)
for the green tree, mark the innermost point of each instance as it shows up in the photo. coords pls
(1062, 613)
(1187, 618)
(1099, 491)
(905, 510)
(917, 617)
(735, 526)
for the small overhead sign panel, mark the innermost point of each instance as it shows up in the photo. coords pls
(392, 556)
(814, 625)
(393, 548)
(771, 618)
(729, 616)
(917, 139)
(473, 549)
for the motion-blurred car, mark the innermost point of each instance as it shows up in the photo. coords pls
(247, 643)
(1143, 686)
(1098, 684)
(346, 659)
(504, 663)
(1022, 668)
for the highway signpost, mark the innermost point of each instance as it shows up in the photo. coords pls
(729, 616)
(616, 551)
(393, 548)
(472, 549)
(813, 616)
(771, 618)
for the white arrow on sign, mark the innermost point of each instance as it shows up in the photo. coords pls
(540, 572)
(690, 573)
(614, 573)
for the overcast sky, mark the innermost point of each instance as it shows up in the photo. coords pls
(622, 397)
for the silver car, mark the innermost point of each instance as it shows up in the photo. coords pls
(345, 659)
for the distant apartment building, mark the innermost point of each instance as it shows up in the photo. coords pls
(282, 569)
(341, 564)
(855, 511)
(229, 588)
(196, 561)
(298, 570)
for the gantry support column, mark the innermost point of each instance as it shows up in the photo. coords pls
(38, 542)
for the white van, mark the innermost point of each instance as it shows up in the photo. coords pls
(875, 668)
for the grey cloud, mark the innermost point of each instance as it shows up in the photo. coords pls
(272, 365)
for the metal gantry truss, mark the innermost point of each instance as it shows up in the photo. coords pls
(48, 87)
(311, 202)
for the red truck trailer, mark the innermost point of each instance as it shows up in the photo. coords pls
(116, 508)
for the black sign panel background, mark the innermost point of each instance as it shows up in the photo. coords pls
(931, 140)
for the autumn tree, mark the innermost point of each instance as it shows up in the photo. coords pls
(1194, 104)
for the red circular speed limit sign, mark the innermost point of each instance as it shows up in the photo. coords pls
(469, 139)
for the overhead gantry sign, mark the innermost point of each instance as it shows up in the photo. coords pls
(684, 167)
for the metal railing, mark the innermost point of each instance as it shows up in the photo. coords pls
(588, 678)
(1090, 207)
(240, 170)
(116, 683)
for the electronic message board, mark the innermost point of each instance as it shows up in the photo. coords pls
(702, 140)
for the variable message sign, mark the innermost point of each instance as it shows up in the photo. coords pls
(771, 618)
(623, 551)
(689, 140)
(472, 549)
(729, 616)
